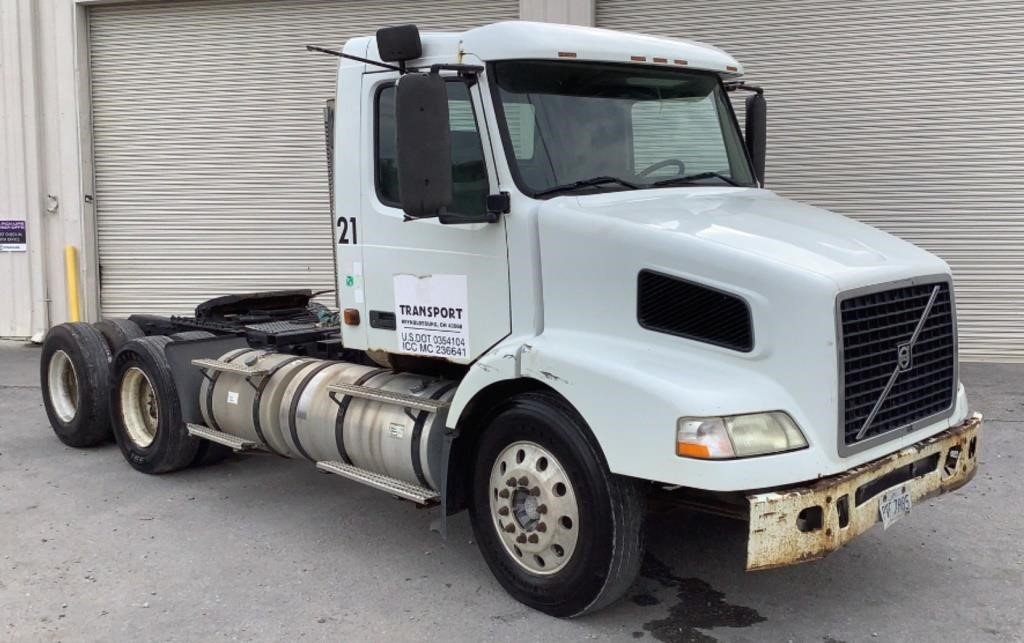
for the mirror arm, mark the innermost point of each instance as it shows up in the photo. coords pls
(470, 70)
(497, 205)
(463, 70)
(739, 85)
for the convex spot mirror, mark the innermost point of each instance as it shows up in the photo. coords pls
(424, 148)
(756, 133)
(399, 44)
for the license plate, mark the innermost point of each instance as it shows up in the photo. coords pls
(893, 505)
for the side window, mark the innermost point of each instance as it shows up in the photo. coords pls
(686, 129)
(469, 171)
(387, 153)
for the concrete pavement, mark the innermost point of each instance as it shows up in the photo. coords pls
(266, 549)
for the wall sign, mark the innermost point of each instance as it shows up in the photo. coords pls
(12, 236)
(431, 315)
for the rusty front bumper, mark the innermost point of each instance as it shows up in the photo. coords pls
(805, 523)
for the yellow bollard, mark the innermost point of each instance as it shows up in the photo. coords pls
(71, 282)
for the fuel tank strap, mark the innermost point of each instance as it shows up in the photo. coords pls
(294, 407)
(339, 419)
(264, 381)
(417, 434)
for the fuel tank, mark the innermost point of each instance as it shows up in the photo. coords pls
(291, 411)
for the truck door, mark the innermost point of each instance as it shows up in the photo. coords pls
(431, 289)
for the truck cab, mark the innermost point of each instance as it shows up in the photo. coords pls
(556, 252)
(640, 269)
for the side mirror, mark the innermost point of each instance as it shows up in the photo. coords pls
(757, 132)
(424, 148)
(399, 44)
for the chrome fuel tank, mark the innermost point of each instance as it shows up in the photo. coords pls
(291, 411)
(247, 407)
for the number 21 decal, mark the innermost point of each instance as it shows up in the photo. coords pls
(346, 226)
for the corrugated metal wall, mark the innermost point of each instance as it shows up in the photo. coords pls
(904, 114)
(208, 141)
(19, 168)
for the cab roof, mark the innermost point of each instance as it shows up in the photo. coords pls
(521, 39)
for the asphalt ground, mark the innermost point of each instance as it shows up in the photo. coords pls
(259, 548)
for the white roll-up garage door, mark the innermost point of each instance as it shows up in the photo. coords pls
(209, 151)
(902, 114)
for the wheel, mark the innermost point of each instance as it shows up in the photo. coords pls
(559, 531)
(208, 452)
(118, 332)
(144, 409)
(75, 377)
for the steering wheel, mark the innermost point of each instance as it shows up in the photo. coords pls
(666, 163)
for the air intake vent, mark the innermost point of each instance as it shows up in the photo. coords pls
(898, 360)
(670, 305)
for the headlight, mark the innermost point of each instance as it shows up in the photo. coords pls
(737, 436)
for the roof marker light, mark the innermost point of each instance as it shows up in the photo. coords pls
(731, 68)
(679, 61)
(567, 54)
(638, 59)
(660, 60)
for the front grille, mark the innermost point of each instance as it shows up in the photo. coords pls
(874, 326)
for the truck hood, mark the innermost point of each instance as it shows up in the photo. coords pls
(760, 223)
(788, 263)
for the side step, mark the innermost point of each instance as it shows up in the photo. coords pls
(389, 397)
(229, 367)
(419, 495)
(228, 440)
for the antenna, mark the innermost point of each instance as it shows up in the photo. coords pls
(355, 58)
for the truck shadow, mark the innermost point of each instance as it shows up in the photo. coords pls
(692, 603)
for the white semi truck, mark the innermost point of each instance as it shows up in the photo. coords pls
(562, 290)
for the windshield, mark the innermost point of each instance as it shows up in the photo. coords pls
(588, 127)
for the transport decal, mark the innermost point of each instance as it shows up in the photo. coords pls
(432, 315)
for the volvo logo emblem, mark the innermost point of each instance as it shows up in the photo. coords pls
(904, 357)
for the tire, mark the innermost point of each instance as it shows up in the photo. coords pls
(144, 409)
(208, 452)
(74, 371)
(118, 332)
(584, 564)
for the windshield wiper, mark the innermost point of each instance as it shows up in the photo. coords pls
(586, 183)
(678, 180)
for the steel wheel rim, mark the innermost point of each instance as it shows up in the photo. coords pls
(534, 508)
(63, 383)
(140, 410)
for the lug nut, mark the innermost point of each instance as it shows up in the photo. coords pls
(521, 539)
(511, 482)
(503, 493)
(534, 539)
(541, 527)
(535, 491)
(523, 481)
(542, 509)
(503, 511)
(510, 528)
